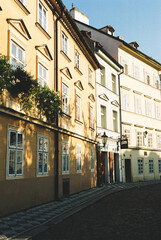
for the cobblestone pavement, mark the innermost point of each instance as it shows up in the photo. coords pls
(25, 224)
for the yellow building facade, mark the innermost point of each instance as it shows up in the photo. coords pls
(39, 161)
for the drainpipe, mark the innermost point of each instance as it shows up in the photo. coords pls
(120, 116)
(56, 133)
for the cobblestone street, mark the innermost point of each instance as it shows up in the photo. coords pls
(130, 214)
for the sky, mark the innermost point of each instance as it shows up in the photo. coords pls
(134, 20)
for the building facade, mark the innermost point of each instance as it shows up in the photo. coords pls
(40, 162)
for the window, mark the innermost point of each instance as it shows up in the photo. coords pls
(78, 108)
(139, 138)
(64, 43)
(42, 155)
(103, 116)
(159, 165)
(148, 108)
(140, 166)
(150, 140)
(17, 55)
(78, 159)
(77, 59)
(136, 72)
(91, 117)
(42, 16)
(124, 64)
(15, 153)
(128, 135)
(65, 99)
(151, 167)
(103, 82)
(137, 104)
(91, 77)
(125, 101)
(92, 159)
(157, 111)
(115, 122)
(156, 82)
(147, 77)
(158, 140)
(43, 72)
(65, 157)
(113, 83)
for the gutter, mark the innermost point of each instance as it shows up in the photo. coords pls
(120, 103)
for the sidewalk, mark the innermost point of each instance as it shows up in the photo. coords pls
(25, 224)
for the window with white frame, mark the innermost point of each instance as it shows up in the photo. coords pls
(139, 138)
(64, 43)
(138, 104)
(78, 158)
(147, 77)
(148, 108)
(92, 158)
(114, 83)
(150, 140)
(103, 76)
(65, 98)
(42, 154)
(43, 75)
(115, 121)
(156, 81)
(91, 77)
(124, 64)
(77, 59)
(78, 107)
(151, 166)
(15, 153)
(157, 111)
(65, 157)
(158, 140)
(159, 165)
(127, 133)
(140, 166)
(136, 72)
(91, 116)
(125, 101)
(17, 55)
(103, 117)
(42, 16)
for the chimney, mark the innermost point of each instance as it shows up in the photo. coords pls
(120, 37)
(134, 45)
(78, 15)
(108, 29)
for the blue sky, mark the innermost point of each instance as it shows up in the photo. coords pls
(134, 20)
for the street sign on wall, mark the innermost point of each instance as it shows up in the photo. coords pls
(124, 143)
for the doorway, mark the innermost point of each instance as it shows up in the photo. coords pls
(128, 170)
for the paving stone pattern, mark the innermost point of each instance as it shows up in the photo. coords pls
(24, 223)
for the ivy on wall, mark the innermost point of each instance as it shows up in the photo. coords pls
(26, 90)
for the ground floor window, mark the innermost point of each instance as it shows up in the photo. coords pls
(65, 157)
(151, 167)
(140, 166)
(159, 165)
(78, 159)
(42, 155)
(15, 153)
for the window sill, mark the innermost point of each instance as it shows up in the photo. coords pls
(78, 121)
(42, 30)
(22, 7)
(90, 84)
(79, 171)
(65, 173)
(14, 177)
(66, 56)
(77, 69)
(65, 115)
(42, 175)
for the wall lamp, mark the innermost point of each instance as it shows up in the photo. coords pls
(104, 139)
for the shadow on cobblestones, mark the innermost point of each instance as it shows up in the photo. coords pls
(133, 214)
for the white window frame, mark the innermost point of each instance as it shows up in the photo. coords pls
(151, 166)
(127, 133)
(138, 105)
(44, 152)
(77, 59)
(136, 72)
(65, 98)
(115, 120)
(157, 111)
(43, 81)
(19, 62)
(78, 107)
(15, 149)
(64, 43)
(148, 108)
(125, 65)
(92, 158)
(139, 138)
(147, 77)
(156, 82)
(103, 76)
(91, 116)
(103, 116)
(65, 156)
(125, 101)
(150, 140)
(78, 158)
(158, 141)
(43, 24)
(140, 166)
(91, 81)
(114, 84)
